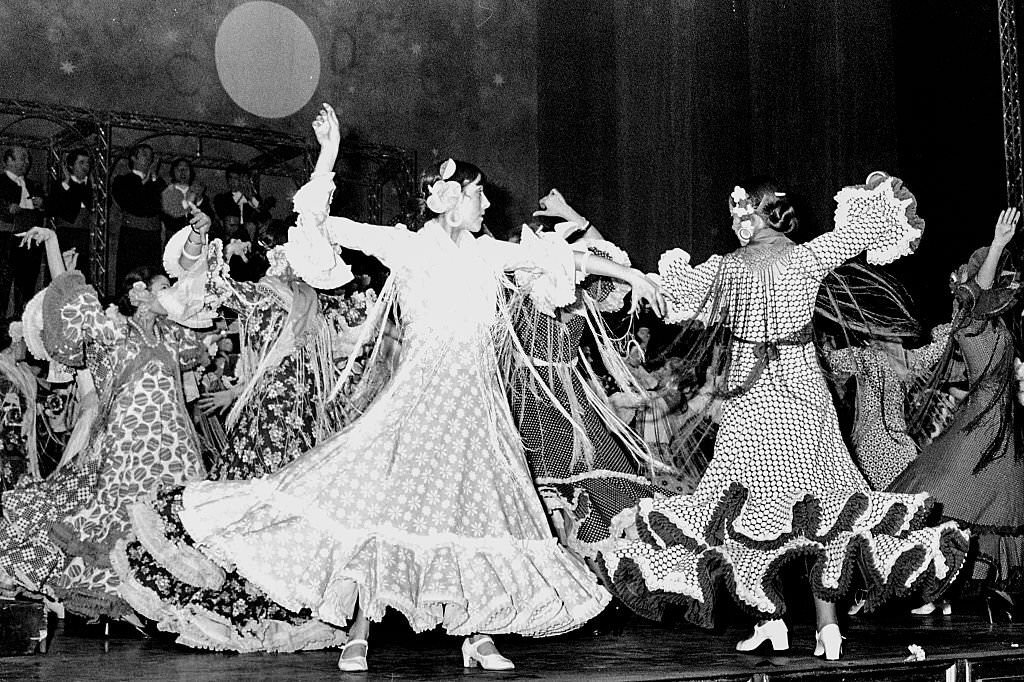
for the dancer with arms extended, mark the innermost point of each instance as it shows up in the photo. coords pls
(424, 503)
(781, 483)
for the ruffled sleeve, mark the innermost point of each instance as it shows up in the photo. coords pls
(687, 289)
(882, 221)
(73, 318)
(545, 267)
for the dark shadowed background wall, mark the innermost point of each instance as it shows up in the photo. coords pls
(644, 112)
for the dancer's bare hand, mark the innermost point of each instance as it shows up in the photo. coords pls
(199, 221)
(216, 402)
(646, 291)
(326, 127)
(34, 236)
(1006, 226)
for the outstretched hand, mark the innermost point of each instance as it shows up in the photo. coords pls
(553, 204)
(216, 402)
(200, 222)
(34, 236)
(646, 291)
(1006, 226)
(326, 127)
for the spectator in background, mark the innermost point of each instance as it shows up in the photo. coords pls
(70, 204)
(183, 188)
(240, 201)
(138, 193)
(21, 202)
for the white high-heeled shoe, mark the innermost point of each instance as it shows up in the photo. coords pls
(944, 607)
(829, 642)
(471, 655)
(773, 631)
(353, 664)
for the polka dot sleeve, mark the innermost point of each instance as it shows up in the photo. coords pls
(687, 289)
(73, 317)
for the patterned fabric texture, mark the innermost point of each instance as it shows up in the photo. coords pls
(881, 445)
(983, 492)
(275, 426)
(57, 533)
(781, 483)
(423, 504)
(591, 490)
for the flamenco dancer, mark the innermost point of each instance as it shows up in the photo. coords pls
(57, 534)
(781, 483)
(291, 336)
(884, 370)
(586, 462)
(424, 503)
(975, 469)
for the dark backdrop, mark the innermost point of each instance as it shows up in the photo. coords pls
(649, 113)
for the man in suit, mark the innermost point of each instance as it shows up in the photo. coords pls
(70, 203)
(137, 193)
(240, 201)
(21, 202)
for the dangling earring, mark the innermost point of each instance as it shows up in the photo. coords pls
(454, 217)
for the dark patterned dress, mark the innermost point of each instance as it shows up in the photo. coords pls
(591, 487)
(881, 445)
(282, 419)
(781, 483)
(975, 469)
(57, 534)
(16, 420)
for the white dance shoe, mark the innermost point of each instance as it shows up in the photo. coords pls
(353, 664)
(471, 656)
(774, 632)
(829, 643)
(931, 607)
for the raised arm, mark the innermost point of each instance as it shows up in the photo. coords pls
(1006, 227)
(879, 217)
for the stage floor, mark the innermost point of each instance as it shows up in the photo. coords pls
(876, 650)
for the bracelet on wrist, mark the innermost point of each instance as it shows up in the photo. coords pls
(185, 255)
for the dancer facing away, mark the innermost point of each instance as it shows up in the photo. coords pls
(423, 504)
(585, 461)
(292, 337)
(781, 483)
(884, 371)
(975, 469)
(57, 534)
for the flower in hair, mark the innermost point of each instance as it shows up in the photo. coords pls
(447, 169)
(278, 259)
(742, 208)
(139, 286)
(444, 196)
(16, 331)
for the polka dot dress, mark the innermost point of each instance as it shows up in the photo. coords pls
(425, 503)
(781, 483)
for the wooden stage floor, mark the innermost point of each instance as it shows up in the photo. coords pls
(876, 649)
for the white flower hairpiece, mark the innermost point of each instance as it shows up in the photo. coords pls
(278, 259)
(16, 331)
(139, 286)
(741, 204)
(444, 193)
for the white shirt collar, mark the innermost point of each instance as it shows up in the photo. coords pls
(139, 173)
(19, 179)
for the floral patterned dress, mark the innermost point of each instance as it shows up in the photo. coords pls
(425, 503)
(281, 420)
(781, 483)
(57, 534)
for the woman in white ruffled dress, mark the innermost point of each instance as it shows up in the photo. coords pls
(424, 504)
(781, 483)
